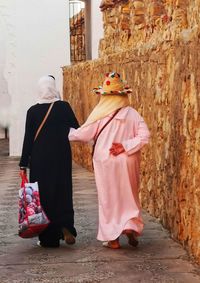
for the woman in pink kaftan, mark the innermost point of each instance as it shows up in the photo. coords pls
(116, 163)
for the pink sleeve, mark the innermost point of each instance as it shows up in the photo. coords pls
(84, 134)
(142, 137)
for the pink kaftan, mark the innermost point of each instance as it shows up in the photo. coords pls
(117, 177)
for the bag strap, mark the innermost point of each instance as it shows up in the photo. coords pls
(24, 180)
(43, 121)
(93, 148)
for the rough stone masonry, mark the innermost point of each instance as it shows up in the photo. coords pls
(160, 59)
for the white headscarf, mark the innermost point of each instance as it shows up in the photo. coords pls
(47, 92)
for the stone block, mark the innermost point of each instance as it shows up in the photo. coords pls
(156, 9)
(138, 4)
(126, 9)
(180, 18)
(139, 19)
(139, 11)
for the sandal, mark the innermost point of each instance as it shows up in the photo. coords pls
(132, 239)
(68, 237)
(112, 244)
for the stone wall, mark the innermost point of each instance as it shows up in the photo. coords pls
(77, 38)
(136, 22)
(166, 83)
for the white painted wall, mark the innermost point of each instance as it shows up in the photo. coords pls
(6, 30)
(36, 42)
(96, 27)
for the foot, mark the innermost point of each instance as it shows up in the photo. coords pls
(132, 238)
(112, 244)
(68, 237)
(41, 245)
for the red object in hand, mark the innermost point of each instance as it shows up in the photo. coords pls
(24, 178)
(116, 149)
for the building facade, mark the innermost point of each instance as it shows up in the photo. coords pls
(34, 37)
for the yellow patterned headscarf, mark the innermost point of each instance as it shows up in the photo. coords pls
(107, 105)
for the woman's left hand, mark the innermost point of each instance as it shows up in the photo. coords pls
(22, 173)
(116, 149)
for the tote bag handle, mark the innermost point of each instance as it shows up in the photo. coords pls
(24, 180)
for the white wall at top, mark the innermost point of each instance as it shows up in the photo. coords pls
(6, 30)
(37, 43)
(96, 27)
(34, 40)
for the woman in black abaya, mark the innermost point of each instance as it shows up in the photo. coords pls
(50, 161)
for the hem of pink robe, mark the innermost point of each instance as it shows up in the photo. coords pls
(134, 224)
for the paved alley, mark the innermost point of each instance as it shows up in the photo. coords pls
(157, 258)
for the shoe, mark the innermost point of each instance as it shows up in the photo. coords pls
(68, 237)
(39, 244)
(112, 244)
(132, 239)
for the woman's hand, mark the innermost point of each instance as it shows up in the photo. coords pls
(22, 172)
(116, 149)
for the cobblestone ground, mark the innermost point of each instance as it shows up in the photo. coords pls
(157, 259)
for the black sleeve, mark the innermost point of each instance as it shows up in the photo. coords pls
(73, 123)
(28, 141)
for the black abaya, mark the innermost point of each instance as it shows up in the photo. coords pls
(50, 163)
